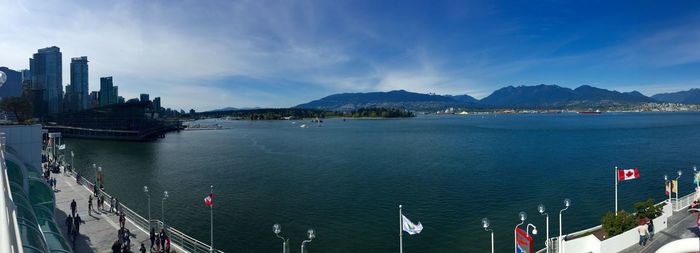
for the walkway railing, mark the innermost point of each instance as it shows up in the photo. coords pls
(685, 201)
(9, 229)
(178, 238)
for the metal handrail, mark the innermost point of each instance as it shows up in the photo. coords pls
(177, 237)
(10, 235)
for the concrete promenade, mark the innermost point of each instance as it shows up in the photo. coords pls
(99, 232)
(680, 225)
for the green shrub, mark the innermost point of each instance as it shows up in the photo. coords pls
(615, 225)
(646, 209)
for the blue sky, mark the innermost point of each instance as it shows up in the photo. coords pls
(213, 54)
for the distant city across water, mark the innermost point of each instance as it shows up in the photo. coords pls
(346, 178)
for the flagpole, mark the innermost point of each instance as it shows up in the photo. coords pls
(211, 218)
(615, 176)
(400, 230)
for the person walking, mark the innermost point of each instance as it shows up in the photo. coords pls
(73, 206)
(76, 223)
(142, 249)
(102, 200)
(69, 224)
(643, 232)
(162, 238)
(111, 204)
(650, 227)
(90, 205)
(122, 220)
(167, 244)
(153, 236)
(116, 205)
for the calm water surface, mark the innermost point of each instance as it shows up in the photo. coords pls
(346, 178)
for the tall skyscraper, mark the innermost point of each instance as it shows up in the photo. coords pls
(106, 90)
(156, 104)
(94, 99)
(47, 81)
(144, 97)
(79, 83)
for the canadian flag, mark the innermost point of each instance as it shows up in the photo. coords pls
(627, 174)
(209, 200)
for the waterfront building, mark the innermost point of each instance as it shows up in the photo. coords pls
(79, 83)
(109, 93)
(27, 203)
(47, 81)
(13, 83)
(144, 97)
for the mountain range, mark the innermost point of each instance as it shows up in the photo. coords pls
(538, 96)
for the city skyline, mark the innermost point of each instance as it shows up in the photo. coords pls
(247, 54)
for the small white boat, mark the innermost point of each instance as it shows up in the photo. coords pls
(303, 126)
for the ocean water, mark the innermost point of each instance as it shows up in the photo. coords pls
(346, 179)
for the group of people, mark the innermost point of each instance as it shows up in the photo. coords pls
(160, 242)
(646, 231)
(73, 222)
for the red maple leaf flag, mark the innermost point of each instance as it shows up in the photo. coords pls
(209, 200)
(627, 174)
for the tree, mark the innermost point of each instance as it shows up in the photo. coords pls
(20, 106)
(616, 224)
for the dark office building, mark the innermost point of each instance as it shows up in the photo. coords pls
(144, 98)
(108, 92)
(78, 91)
(47, 81)
(156, 104)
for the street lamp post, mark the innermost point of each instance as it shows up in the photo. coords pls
(523, 217)
(277, 229)
(679, 176)
(94, 168)
(534, 229)
(162, 207)
(148, 195)
(567, 203)
(485, 223)
(541, 209)
(72, 164)
(666, 182)
(695, 175)
(312, 235)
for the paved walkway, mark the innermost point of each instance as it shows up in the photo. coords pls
(681, 225)
(99, 232)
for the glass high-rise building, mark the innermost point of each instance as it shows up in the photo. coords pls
(106, 88)
(109, 94)
(144, 97)
(79, 84)
(47, 81)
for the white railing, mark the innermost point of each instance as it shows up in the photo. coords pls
(685, 201)
(10, 239)
(178, 238)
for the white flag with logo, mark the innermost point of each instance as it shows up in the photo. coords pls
(411, 228)
(62, 147)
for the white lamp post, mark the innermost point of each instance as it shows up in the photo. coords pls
(485, 223)
(162, 206)
(277, 229)
(695, 174)
(148, 195)
(567, 203)
(534, 229)
(669, 190)
(677, 190)
(312, 235)
(523, 217)
(541, 209)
